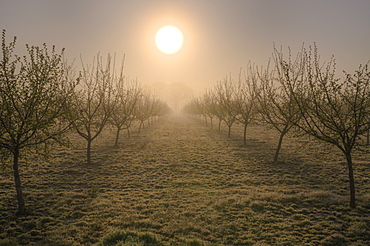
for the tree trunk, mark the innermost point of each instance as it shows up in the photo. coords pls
(89, 141)
(245, 134)
(351, 180)
(229, 133)
(17, 180)
(219, 125)
(205, 118)
(128, 133)
(117, 137)
(282, 134)
(141, 123)
(211, 122)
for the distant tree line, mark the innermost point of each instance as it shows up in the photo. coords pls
(42, 100)
(303, 94)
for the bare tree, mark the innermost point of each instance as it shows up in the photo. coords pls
(127, 95)
(276, 104)
(34, 93)
(161, 109)
(145, 108)
(225, 96)
(246, 99)
(203, 107)
(334, 111)
(209, 105)
(93, 101)
(200, 107)
(195, 107)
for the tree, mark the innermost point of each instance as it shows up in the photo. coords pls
(246, 99)
(334, 111)
(276, 103)
(195, 107)
(93, 101)
(226, 102)
(209, 105)
(145, 108)
(34, 93)
(202, 106)
(199, 106)
(162, 109)
(127, 96)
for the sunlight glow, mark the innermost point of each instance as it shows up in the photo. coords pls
(169, 39)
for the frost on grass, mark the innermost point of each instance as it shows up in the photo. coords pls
(182, 183)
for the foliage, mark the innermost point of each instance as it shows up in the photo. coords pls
(34, 94)
(35, 91)
(303, 94)
(333, 111)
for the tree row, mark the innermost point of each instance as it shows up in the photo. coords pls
(43, 99)
(300, 93)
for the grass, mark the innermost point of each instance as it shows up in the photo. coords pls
(179, 182)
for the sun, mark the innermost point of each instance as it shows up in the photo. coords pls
(169, 39)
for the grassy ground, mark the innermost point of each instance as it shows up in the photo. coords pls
(183, 183)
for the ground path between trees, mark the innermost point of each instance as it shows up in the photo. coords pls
(180, 161)
(189, 153)
(181, 179)
(173, 178)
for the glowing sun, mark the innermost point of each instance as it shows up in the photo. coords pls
(169, 39)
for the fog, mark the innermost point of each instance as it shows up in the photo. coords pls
(175, 94)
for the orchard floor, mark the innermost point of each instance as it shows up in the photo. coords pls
(188, 184)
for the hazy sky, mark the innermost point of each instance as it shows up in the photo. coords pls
(220, 36)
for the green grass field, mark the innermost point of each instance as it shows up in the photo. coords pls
(179, 182)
